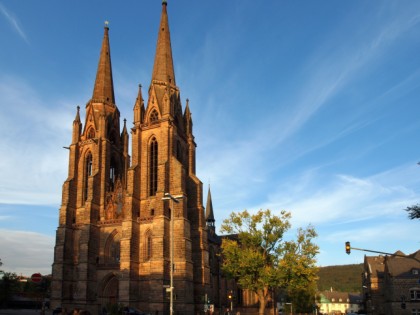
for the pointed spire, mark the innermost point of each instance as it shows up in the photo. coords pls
(77, 118)
(187, 118)
(77, 127)
(163, 68)
(209, 210)
(187, 112)
(124, 131)
(139, 107)
(104, 87)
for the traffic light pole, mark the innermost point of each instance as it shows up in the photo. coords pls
(348, 249)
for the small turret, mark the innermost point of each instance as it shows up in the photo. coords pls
(77, 127)
(209, 212)
(139, 108)
(188, 119)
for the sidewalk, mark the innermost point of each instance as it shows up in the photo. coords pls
(23, 312)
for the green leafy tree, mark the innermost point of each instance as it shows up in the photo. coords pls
(9, 284)
(413, 212)
(260, 260)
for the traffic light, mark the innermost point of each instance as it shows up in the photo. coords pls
(348, 248)
(230, 295)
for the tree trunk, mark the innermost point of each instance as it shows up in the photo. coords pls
(262, 298)
(261, 310)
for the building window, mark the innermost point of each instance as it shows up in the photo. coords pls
(112, 248)
(154, 116)
(153, 167)
(148, 245)
(113, 173)
(415, 311)
(415, 294)
(178, 151)
(88, 172)
(91, 133)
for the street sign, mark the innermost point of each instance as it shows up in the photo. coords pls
(36, 277)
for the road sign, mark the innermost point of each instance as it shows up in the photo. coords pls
(36, 277)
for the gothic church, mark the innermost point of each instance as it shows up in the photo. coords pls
(113, 239)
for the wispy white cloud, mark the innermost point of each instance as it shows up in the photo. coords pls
(14, 22)
(33, 135)
(26, 252)
(345, 198)
(326, 74)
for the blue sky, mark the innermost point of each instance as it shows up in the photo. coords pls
(308, 106)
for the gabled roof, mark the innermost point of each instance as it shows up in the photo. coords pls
(340, 297)
(397, 266)
(376, 265)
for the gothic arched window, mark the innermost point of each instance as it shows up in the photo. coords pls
(148, 245)
(112, 173)
(179, 151)
(112, 248)
(154, 116)
(88, 172)
(153, 167)
(91, 133)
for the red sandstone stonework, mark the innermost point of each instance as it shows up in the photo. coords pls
(112, 242)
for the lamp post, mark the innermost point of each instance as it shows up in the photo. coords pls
(171, 199)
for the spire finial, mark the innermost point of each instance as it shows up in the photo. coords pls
(164, 2)
(106, 24)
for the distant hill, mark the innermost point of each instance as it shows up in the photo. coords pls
(345, 278)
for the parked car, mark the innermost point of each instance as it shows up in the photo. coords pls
(57, 311)
(133, 311)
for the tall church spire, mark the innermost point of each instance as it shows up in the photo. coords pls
(104, 86)
(163, 68)
(209, 210)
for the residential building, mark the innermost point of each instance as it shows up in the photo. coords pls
(333, 302)
(392, 284)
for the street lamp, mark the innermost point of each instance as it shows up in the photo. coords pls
(171, 199)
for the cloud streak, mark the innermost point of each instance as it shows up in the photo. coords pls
(345, 198)
(13, 21)
(31, 145)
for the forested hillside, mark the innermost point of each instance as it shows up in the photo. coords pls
(345, 278)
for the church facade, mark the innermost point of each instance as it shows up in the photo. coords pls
(114, 233)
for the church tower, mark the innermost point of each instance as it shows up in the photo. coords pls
(114, 233)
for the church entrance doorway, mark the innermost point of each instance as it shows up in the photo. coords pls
(110, 291)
